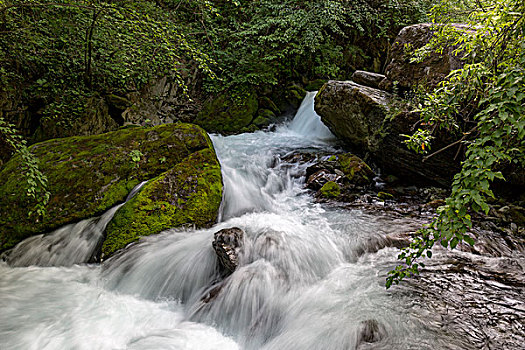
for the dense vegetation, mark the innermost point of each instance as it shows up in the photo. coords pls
(61, 52)
(487, 95)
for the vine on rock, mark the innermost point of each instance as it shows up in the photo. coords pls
(488, 93)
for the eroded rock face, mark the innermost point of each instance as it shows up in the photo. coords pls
(226, 244)
(87, 175)
(160, 102)
(430, 71)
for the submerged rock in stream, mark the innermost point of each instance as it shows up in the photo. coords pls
(226, 244)
(371, 331)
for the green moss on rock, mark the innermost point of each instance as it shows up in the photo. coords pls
(226, 115)
(355, 169)
(384, 195)
(315, 85)
(330, 190)
(190, 193)
(295, 95)
(89, 174)
(267, 103)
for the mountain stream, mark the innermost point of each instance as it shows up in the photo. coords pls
(310, 277)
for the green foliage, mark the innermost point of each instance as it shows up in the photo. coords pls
(36, 181)
(419, 141)
(65, 50)
(59, 53)
(135, 156)
(488, 94)
(270, 42)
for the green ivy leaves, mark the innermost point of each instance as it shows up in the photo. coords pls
(489, 92)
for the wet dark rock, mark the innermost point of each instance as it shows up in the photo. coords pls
(342, 168)
(226, 244)
(435, 203)
(318, 179)
(212, 293)
(371, 331)
(476, 298)
(367, 78)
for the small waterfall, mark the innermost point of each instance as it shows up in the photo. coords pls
(310, 276)
(66, 246)
(308, 123)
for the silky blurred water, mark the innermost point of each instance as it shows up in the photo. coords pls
(309, 277)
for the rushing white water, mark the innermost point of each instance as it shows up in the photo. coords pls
(308, 123)
(66, 246)
(304, 280)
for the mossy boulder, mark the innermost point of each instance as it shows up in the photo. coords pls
(330, 190)
(190, 193)
(315, 85)
(87, 175)
(267, 103)
(355, 169)
(295, 95)
(264, 117)
(226, 115)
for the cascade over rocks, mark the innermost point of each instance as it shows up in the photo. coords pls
(226, 244)
(87, 175)
(372, 120)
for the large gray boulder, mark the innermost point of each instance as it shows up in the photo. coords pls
(358, 114)
(371, 79)
(431, 70)
(354, 113)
